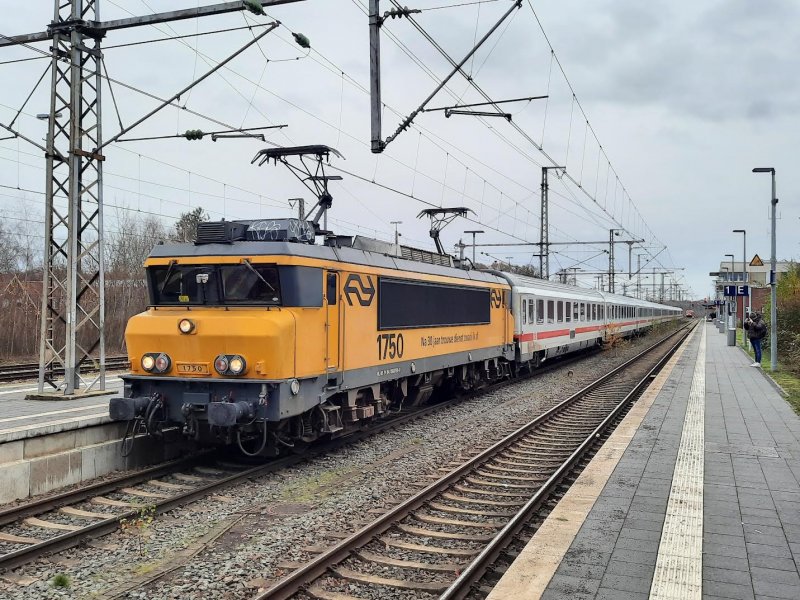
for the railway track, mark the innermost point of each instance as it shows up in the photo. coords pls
(59, 522)
(441, 541)
(31, 370)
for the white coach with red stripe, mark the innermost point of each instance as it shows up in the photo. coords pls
(551, 319)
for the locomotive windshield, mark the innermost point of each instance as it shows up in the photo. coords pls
(238, 284)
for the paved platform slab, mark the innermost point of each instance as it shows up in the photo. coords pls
(654, 531)
(21, 418)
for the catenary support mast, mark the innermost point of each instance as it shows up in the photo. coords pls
(73, 293)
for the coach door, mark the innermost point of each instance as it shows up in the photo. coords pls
(332, 321)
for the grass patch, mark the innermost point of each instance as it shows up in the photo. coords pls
(145, 568)
(61, 580)
(789, 382)
(783, 377)
(312, 488)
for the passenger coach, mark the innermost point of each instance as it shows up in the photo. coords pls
(551, 319)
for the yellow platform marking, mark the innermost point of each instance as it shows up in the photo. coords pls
(537, 563)
(679, 566)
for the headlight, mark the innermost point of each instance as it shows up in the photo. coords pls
(148, 362)
(221, 364)
(163, 363)
(186, 326)
(236, 365)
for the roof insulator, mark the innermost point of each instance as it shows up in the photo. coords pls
(399, 13)
(254, 6)
(302, 40)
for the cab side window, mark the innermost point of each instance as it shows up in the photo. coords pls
(331, 289)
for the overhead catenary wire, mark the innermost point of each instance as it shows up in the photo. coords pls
(430, 139)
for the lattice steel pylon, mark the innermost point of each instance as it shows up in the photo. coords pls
(73, 296)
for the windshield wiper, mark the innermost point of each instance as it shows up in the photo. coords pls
(166, 279)
(249, 266)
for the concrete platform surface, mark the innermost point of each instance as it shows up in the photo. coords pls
(696, 495)
(22, 419)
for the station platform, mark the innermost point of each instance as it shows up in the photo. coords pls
(22, 419)
(695, 494)
(46, 445)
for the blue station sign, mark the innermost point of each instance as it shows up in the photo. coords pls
(737, 290)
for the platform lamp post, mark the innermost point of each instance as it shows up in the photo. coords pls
(397, 234)
(773, 313)
(732, 318)
(721, 317)
(745, 281)
(474, 232)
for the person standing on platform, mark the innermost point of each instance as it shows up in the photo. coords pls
(756, 331)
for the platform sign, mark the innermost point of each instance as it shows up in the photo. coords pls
(737, 290)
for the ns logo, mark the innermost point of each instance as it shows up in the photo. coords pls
(358, 288)
(497, 298)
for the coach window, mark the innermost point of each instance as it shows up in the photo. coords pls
(560, 311)
(594, 312)
(568, 312)
(540, 311)
(531, 318)
(583, 311)
(551, 311)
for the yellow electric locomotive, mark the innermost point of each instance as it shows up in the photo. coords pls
(255, 334)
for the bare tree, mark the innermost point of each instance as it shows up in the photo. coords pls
(126, 287)
(186, 227)
(9, 250)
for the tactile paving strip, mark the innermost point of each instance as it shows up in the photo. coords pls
(679, 566)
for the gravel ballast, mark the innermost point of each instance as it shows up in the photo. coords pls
(231, 545)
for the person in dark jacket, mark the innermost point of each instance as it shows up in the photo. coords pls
(756, 331)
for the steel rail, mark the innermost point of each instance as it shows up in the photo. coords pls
(73, 538)
(481, 563)
(31, 370)
(43, 505)
(296, 581)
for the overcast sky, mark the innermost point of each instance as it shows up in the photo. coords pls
(685, 98)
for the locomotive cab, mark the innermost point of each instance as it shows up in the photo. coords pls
(218, 349)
